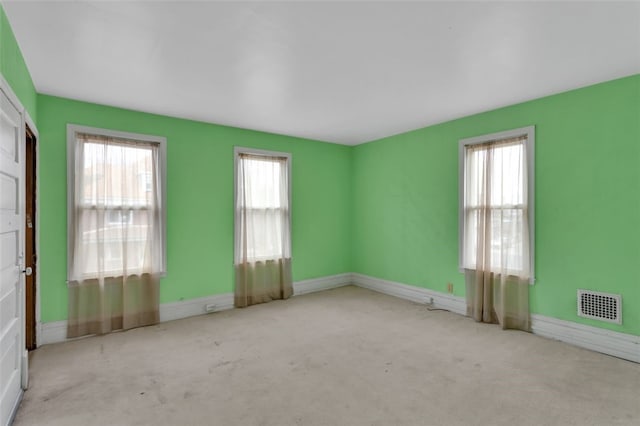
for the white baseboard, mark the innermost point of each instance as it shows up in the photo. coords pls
(450, 302)
(192, 307)
(621, 345)
(52, 332)
(322, 283)
(56, 331)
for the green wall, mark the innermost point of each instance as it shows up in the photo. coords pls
(199, 200)
(13, 68)
(587, 205)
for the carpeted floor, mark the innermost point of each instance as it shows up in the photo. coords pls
(347, 356)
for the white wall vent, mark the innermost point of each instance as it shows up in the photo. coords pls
(600, 306)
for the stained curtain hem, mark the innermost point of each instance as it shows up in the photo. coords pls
(99, 306)
(262, 281)
(498, 299)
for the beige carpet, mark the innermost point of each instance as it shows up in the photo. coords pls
(342, 357)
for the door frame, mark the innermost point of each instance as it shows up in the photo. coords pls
(28, 121)
(32, 126)
(35, 225)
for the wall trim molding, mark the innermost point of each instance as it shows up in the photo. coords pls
(450, 302)
(621, 345)
(52, 332)
(193, 307)
(56, 331)
(322, 283)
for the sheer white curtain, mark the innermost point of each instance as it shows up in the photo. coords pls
(116, 235)
(496, 238)
(263, 229)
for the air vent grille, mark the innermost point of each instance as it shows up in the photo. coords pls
(600, 306)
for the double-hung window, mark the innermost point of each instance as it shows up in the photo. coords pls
(116, 203)
(496, 203)
(262, 206)
(262, 226)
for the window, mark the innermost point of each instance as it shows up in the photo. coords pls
(262, 206)
(262, 252)
(116, 201)
(496, 203)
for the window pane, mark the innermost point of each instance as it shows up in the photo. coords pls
(505, 239)
(116, 238)
(112, 175)
(494, 175)
(507, 226)
(507, 167)
(264, 233)
(262, 182)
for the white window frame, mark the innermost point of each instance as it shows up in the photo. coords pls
(237, 150)
(529, 132)
(72, 131)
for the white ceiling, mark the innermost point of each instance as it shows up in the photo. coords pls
(333, 71)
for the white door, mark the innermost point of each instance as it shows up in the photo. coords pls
(12, 348)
